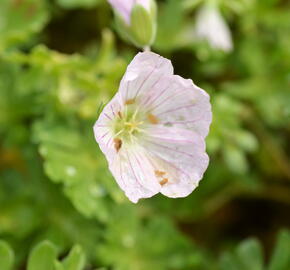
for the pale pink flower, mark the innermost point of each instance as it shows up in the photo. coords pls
(124, 7)
(153, 131)
(212, 27)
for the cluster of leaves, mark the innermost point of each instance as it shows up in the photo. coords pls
(247, 255)
(54, 182)
(44, 256)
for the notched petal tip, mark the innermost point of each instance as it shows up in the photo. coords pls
(178, 191)
(136, 195)
(144, 60)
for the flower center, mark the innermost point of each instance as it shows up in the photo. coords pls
(128, 124)
(133, 127)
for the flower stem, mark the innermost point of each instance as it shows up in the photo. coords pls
(146, 49)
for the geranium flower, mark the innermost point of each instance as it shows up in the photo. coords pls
(153, 131)
(124, 7)
(212, 27)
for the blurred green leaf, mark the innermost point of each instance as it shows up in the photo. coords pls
(6, 256)
(75, 260)
(126, 234)
(281, 255)
(170, 18)
(229, 262)
(235, 159)
(78, 3)
(250, 255)
(71, 158)
(58, 265)
(246, 141)
(43, 257)
(20, 19)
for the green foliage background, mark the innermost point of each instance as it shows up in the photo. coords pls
(60, 61)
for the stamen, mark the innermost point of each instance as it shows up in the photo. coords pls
(121, 131)
(135, 113)
(128, 124)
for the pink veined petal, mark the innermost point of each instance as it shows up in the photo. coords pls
(123, 8)
(135, 174)
(148, 60)
(103, 127)
(144, 72)
(180, 104)
(183, 155)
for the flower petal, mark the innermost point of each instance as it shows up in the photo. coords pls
(212, 27)
(145, 71)
(123, 8)
(131, 169)
(183, 157)
(103, 127)
(180, 103)
(135, 174)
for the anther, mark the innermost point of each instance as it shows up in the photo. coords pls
(152, 119)
(159, 173)
(117, 144)
(130, 102)
(163, 181)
